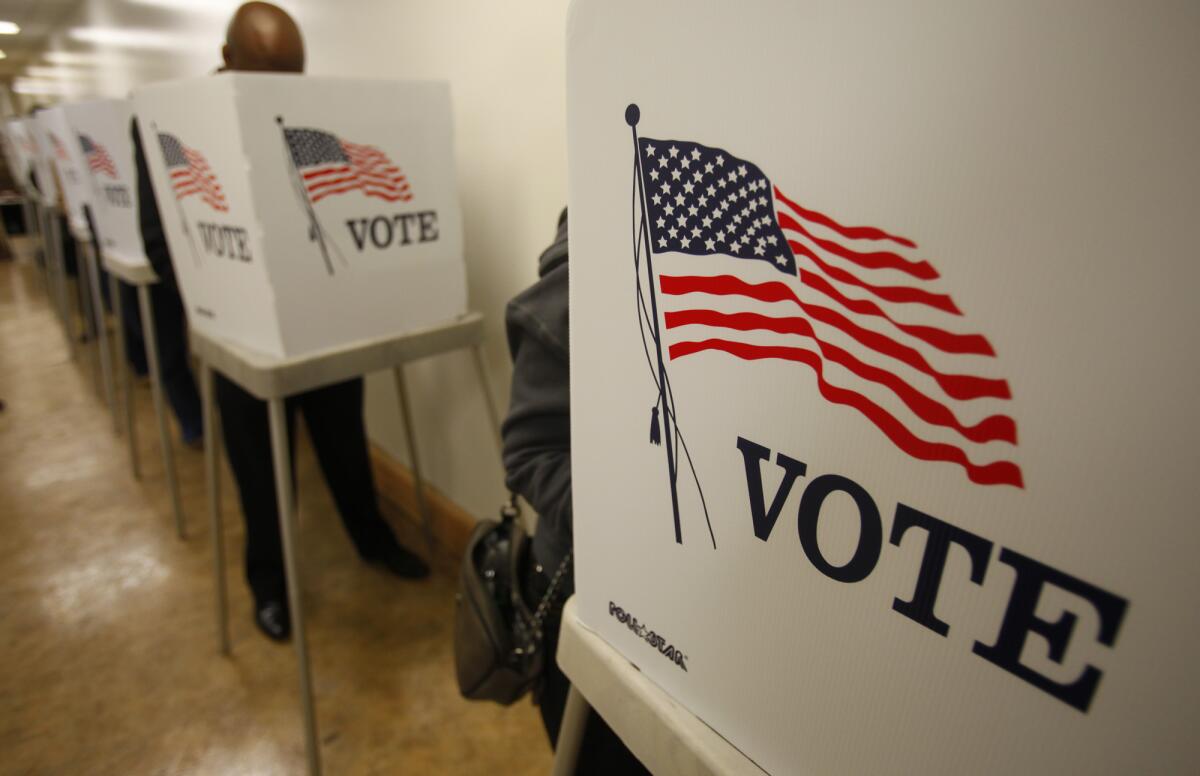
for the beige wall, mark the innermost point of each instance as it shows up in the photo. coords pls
(505, 65)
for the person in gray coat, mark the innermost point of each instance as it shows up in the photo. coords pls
(537, 463)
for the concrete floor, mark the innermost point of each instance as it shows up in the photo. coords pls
(108, 661)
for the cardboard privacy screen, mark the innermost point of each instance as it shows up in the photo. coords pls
(306, 213)
(884, 376)
(101, 130)
(19, 150)
(67, 157)
(43, 164)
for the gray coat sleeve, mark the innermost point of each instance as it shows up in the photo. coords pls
(537, 431)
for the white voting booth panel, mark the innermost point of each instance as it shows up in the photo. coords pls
(67, 158)
(305, 213)
(18, 150)
(919, 281)
(102, 132)
(43, 163)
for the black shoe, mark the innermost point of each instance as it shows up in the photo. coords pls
(397, 560)
(273, 620)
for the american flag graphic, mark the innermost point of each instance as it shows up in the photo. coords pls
(330, 165)
(856, 305)
(190, 173)
(59, 150)
(97, 157)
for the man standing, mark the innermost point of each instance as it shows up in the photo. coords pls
(263, 38)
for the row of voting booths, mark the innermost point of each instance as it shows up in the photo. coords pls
(312, 241)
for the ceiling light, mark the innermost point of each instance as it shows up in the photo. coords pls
(205, 6)
(9, 28)
(73, 58)
(25, 86)
(3, 55)
(38, 71)
(125, 38)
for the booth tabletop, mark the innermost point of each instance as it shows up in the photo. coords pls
(271, 377)
(665, 736)
(139, 274)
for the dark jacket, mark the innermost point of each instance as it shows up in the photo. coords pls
(153, 239)
(537, 431)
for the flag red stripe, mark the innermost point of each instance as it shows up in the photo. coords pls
(960, 387)
(991, 429)
(997, 473)
(321, 185)
(849, 232)
(370, 192)
(387, 183)
(948, 342)
(870, 260)
(898, 294)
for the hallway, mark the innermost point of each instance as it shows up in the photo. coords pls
(107, 639)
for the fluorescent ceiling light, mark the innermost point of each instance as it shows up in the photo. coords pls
(127, 38)
(75, 58)
(25, 86)
(9, 28)
(204, 6)
(39, 71)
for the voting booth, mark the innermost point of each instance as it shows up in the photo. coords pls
(19, 150)
(102, 132)
(884, 376)
(304, 213)
(43, 158)
(66, 155)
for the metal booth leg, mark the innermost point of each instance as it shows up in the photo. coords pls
(489, 400)
(100, 328)
(410, 441)
(33, 222)
(570, 734)
(88, 305)
(212, 475)
(156, 389)
(135, 464)
(281, 458)
(53, 243)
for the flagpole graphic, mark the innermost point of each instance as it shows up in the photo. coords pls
(169, 163)
(632, 115)
(316, 232)
(673, 442)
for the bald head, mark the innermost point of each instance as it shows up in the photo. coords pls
(263, 38)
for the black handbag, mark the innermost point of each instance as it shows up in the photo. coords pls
(498, 638)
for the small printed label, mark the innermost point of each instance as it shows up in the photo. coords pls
(655, 640)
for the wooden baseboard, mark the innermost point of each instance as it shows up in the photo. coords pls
(452, 525)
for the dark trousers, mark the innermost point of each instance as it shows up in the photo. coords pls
(170, 328)
(334, 418)
(602, 752)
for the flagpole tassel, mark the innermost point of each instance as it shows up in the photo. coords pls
(655, 434)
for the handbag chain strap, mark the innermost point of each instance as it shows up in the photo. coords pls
(512, 510)
(543, 608)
